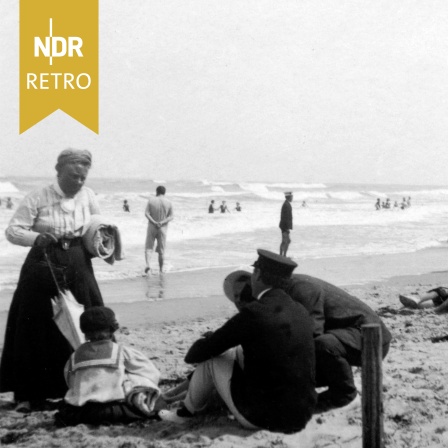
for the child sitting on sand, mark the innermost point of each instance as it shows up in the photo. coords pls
(107, 382)
(434, 297)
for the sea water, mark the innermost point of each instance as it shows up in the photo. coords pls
(339, 220)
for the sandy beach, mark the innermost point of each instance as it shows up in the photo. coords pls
(414, 392)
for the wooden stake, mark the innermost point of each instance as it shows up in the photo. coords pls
(372, 401)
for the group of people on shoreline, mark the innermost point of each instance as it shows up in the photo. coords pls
(292, 333)
(159, 212)
(223, 208)
(387, 204)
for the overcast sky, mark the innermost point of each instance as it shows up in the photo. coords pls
(262, 90)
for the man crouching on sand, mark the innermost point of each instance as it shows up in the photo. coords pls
(108, 382)
(337, 318)
(261, 361)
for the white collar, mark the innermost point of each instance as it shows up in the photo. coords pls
(262, 293)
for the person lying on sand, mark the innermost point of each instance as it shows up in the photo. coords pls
(261, 361)
(108, 382)
(434, 297)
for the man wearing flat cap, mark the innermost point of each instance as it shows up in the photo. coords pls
(261, 361)
(286, 223)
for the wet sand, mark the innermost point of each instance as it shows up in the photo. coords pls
(198, 293)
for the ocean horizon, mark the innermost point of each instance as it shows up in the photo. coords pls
(340, 220)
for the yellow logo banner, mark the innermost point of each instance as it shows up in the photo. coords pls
(58, 60)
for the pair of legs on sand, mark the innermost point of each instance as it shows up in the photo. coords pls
(436, 297)
(148, 254)
(286, 241)
(155, 235)
(200, 391)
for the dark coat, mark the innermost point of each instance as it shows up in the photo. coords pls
(276, 388)
(35, 352)
(286, 216)
(334, 310)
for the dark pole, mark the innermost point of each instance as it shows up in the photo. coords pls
(372, 400)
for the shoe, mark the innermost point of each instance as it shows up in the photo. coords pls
(171, 416)
(327, 403)
(409, 301)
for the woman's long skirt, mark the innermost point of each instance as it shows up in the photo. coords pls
(35, 352)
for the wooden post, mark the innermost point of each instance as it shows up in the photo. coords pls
(372, 400)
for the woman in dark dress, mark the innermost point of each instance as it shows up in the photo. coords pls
(51, 221)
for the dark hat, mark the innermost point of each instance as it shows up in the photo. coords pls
(275, 264)
(70, 155)
(98, 318)
(288, 193)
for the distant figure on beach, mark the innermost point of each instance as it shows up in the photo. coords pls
(408, 202)
(396, 204)
(238, 207)
(223, 207)
(304, 204)
(49, 221)
(9, 203)
(286, 223)
(436, 297)
(387, 204)
(261, 361)
(159, 213)
(211, 207)
(404, 204)
(126, 206)
(378, 204)
(108, 383)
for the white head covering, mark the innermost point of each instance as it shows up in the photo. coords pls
(233, 277)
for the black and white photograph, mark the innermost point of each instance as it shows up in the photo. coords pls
(248, 247)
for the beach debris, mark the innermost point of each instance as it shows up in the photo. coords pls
(398, 411)
(439, 338)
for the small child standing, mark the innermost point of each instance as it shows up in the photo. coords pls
(107, 382)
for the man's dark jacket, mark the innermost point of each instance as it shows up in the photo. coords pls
(286, 216)
(275, 390)
(334, 310)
